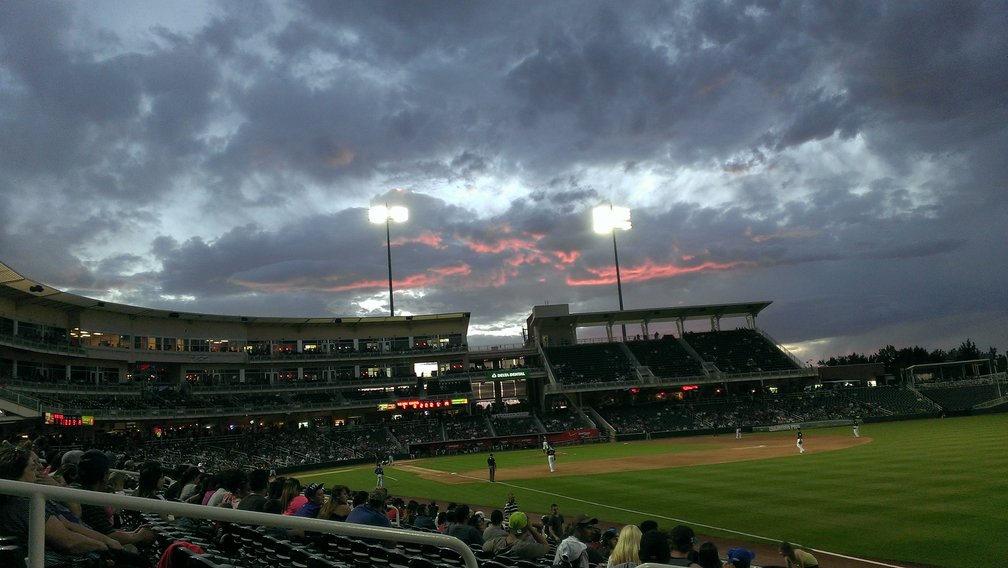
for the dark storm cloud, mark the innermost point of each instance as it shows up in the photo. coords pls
(845, 160)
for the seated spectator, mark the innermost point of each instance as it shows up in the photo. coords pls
(258, 484)
(315, 493)
(707, 556)
(337, 507)
(293, 496)
(231, 491)
(208, 486)
(496, 526)
(187, 481)
(275, 507)
(606, 542)
(62, 541)
(372, 512)
(574, 549)
(796, 557)
(423, 519)
(462, 529)
(740, 557)
(152, 480)
(683, 553)
(93, 468)
(521, 542)
(626, 553)
(654, 547)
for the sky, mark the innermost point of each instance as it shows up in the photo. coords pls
(844, 160)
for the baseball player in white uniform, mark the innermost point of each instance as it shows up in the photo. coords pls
(551, 458)
(800, 442)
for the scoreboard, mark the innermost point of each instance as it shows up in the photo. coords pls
(57, 419)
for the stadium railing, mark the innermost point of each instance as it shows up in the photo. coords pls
(39, 493)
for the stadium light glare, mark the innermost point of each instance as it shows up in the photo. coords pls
(384, 214)
(606, 219)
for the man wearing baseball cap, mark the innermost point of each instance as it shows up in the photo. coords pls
(682, 539)
(574, 548)
(522, 541)
(740, 557)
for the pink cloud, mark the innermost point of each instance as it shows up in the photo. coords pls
(648, 271)
(427, 238)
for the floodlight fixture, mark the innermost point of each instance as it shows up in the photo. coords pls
(385, 214)
(606, 219)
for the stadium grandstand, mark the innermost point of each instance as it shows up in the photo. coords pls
(290, 394)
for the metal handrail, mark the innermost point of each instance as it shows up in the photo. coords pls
(39, 493)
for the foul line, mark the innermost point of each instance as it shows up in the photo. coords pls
(677, 520)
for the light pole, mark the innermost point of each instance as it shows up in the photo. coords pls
(385, 214)
(606, 219)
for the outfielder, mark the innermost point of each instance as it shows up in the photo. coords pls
(551, 458)
(800, 442)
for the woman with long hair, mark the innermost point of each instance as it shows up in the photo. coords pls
(707, 556)
(626, 553)
(151, 480)
(292, 497)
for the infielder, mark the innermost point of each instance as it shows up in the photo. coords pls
(800, 442)
(738, 432)
(380, 474)
(551, 458)
(857, 429)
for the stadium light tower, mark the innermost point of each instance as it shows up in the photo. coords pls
(606, 219)
(385, 214)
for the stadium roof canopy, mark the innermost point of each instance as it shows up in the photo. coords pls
(22, 290)
(557, 314)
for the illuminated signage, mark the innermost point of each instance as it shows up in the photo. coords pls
(57, 419)
(415, 404)
(500, 374)
(690, 388)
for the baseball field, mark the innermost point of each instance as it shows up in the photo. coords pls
(913, 493)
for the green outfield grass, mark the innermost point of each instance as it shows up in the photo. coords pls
(929, 491)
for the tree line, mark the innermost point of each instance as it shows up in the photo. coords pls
(895, 360)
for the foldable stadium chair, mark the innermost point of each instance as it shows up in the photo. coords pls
(482, 555)
(451, 557)
(379, 556)
(316, 561)
(412, 549)
(10, 553)
(397, 559)
(343, 550)
(503, 563)
(299, 558)
(422, 562)
(430, 552)
(361, 554)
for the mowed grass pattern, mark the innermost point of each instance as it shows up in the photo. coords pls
(929, 491)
